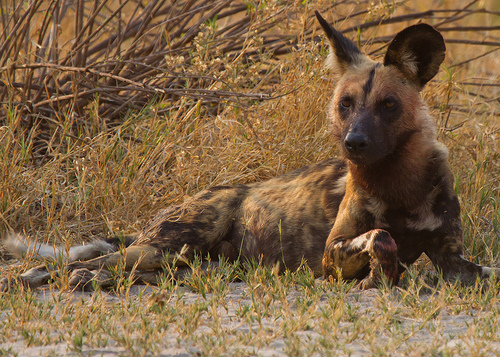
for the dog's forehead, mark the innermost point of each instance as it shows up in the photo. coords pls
(371, 80)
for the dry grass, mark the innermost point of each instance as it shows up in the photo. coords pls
(86, 154)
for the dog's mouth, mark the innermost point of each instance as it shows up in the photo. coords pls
(358, 160)
(368, 158)
(361, 159)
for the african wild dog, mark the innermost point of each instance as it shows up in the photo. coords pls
(389, 199)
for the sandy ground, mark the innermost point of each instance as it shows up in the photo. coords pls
(367, 302)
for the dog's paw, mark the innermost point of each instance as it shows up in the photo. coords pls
(7, 284)
(80, 278)
(367, 283)
(85, 279)
(384, 259)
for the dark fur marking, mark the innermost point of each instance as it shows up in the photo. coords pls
(368, 86)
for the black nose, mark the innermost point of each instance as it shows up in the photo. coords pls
(355, 143)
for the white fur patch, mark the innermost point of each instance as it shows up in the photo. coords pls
(362, 242)
(377, 208)
(409, 60)
(340, 185)
(486, 271)
(426, 220)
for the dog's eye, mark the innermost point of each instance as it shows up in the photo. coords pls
(345, 103)
(389, 104)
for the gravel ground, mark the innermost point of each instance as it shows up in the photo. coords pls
(448, 332)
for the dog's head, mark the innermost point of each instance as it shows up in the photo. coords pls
(376, 107)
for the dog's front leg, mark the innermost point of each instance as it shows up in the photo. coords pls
(446, 255)
(368, 256)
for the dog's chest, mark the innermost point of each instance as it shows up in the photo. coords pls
(403, 221)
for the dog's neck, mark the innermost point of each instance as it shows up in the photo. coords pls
(404, 178)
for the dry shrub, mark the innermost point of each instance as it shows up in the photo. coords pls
(126, 111)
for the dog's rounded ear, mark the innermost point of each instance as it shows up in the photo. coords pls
(417, 51)
(343, 52)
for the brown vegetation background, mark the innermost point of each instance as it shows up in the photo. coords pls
(111, 110)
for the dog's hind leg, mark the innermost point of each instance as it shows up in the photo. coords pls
(138, 257)
(32, 278)
(368, 256)
(145, 261)
(20, 247)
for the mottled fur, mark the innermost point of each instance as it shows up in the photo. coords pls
(387, 200)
